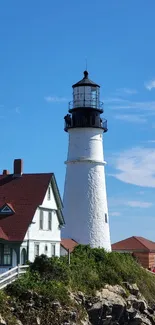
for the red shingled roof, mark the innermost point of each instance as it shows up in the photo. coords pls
(134, 244)
(24, 195)
(69, 244)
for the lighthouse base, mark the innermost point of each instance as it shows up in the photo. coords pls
(85, 204)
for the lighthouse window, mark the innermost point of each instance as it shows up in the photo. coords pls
(106, 218)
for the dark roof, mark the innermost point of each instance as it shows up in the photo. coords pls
(134, 243)
(69, 244)
(85, 81)
(24, 194)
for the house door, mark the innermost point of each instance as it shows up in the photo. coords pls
(14, 258)
(23, 256)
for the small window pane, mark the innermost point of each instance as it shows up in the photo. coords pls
(106, 218)
(50, 221)
(41, 220)
(7, 255)
(52, 250)
(49, 194)
(36, 250)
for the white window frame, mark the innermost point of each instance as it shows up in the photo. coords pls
(37, 244)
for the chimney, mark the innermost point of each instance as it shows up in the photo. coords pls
(18, 167)
(6, 172)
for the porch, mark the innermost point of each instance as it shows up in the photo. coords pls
(11, 255)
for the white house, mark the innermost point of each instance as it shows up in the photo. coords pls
(30, 216)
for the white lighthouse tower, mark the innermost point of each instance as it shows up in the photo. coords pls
(85, 199)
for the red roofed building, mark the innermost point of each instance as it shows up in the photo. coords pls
(142, 248)
(30, 216)
(67, 245)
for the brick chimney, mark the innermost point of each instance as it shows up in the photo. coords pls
(18, 167)
(6, 172)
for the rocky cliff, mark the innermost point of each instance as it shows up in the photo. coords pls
(110, 306)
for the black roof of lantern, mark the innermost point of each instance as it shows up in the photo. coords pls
(85, 81)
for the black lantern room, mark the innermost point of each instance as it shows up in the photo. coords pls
(86, 108)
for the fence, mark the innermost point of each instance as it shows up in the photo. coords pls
(11, 275)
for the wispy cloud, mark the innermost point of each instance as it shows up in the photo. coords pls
(17, 110)
(114, 214)
(132, 105)
(126, 91)
(55, 99)
(150, 85)
(151, 141)
(131, 118)
(135, 166)
(120, 202)
(139, 204)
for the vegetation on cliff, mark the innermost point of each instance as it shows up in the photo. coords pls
(89, 270)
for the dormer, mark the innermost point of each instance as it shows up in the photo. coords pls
(7, 209)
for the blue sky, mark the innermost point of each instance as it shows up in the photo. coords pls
(42, 53)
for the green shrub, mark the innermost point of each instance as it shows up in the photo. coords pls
(50, 268)
(89, 269)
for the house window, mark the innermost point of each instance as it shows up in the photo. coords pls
(52, 249)
(50, 221)
(106, 218)
(7, 255)
(36, 249)
(49, 194)
(41, 219)
(46, 249)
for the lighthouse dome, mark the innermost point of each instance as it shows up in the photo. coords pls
(85, 81)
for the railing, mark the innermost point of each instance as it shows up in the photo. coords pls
(91, 103)
(84, 122)
(11, 275)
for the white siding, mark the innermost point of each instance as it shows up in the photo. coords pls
(63, 251)
(85, 198)
(44, 236)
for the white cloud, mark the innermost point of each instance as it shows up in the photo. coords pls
(131, 118)
(114, 214)
(127, 91)
(135, 166)
(150, 85)
(151, 141)
(122, 202)
(126, 104)
(139, 204)
(55, 99)
(141, 192)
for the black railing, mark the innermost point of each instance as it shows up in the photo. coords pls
(92, 103)
(84, 122)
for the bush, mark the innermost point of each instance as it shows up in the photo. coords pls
(90, 269)
(50, 268)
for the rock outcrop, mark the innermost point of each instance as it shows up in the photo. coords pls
(113, 305)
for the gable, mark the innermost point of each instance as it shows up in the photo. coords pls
(54, 202)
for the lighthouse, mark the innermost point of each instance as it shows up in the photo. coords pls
(85, 198)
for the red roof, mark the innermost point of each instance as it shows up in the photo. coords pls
(24, 195)
(134, 244)
(69, 244)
